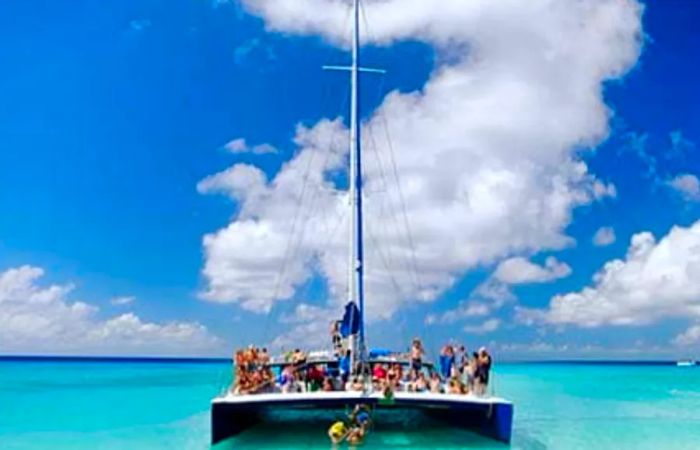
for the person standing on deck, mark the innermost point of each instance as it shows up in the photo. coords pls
(447, 361)
(483, 367)
(336, 338)
(345, 367)
(417, 354)
(461, 360)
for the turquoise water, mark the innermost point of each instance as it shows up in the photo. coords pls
(130, 405)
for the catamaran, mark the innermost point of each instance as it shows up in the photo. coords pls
(234, 412)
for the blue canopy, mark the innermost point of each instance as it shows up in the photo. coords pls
(351, 320)
(377, 352)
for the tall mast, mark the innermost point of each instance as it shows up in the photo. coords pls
(356, 253)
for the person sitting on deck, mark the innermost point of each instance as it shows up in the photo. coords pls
(393, 378)
(454, 386)
(435, 383)
(287, 380)
(314, 377)
(379, 374)
(421, 384)
(356, 385)
(328, 385)
(410, 380)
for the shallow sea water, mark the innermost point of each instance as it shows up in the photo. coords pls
(147, 405)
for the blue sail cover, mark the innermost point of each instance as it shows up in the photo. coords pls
(351, 320)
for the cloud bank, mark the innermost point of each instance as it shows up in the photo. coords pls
(42, 320)
(656, 280)
(487, 152)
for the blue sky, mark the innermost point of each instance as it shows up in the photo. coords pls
(111, 114)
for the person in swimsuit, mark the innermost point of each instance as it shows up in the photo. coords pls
(336, 338)
(356, 436)
(361, 422)
(483, 368)
(416, 354)
(338, 432)
(421, 384)
(435, 383)
(360, 416)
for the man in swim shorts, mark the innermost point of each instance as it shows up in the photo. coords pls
(361, 422)
(356, 436)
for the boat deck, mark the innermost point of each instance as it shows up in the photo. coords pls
(349, 397)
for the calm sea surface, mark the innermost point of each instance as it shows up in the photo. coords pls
(137, 405)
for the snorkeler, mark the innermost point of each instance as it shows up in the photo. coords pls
(360, 416)
(361, 421)
(338, 432)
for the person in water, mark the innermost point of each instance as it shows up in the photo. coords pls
(338, 432)
(361, 422)
(356, 436)
(360, 416)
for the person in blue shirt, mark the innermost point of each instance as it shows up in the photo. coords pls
(345, 366)
(447, 361)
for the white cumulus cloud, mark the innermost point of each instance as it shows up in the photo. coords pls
(240, 145)
(464, 310)
(123, 301)
(689, 337)
(687, 185)
(42, 320)
(519, 270)
(487, 151)
(604, 236)
(656, 280)
(487, 326)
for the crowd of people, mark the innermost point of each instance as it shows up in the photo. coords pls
(252, 371)
(456, 372)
